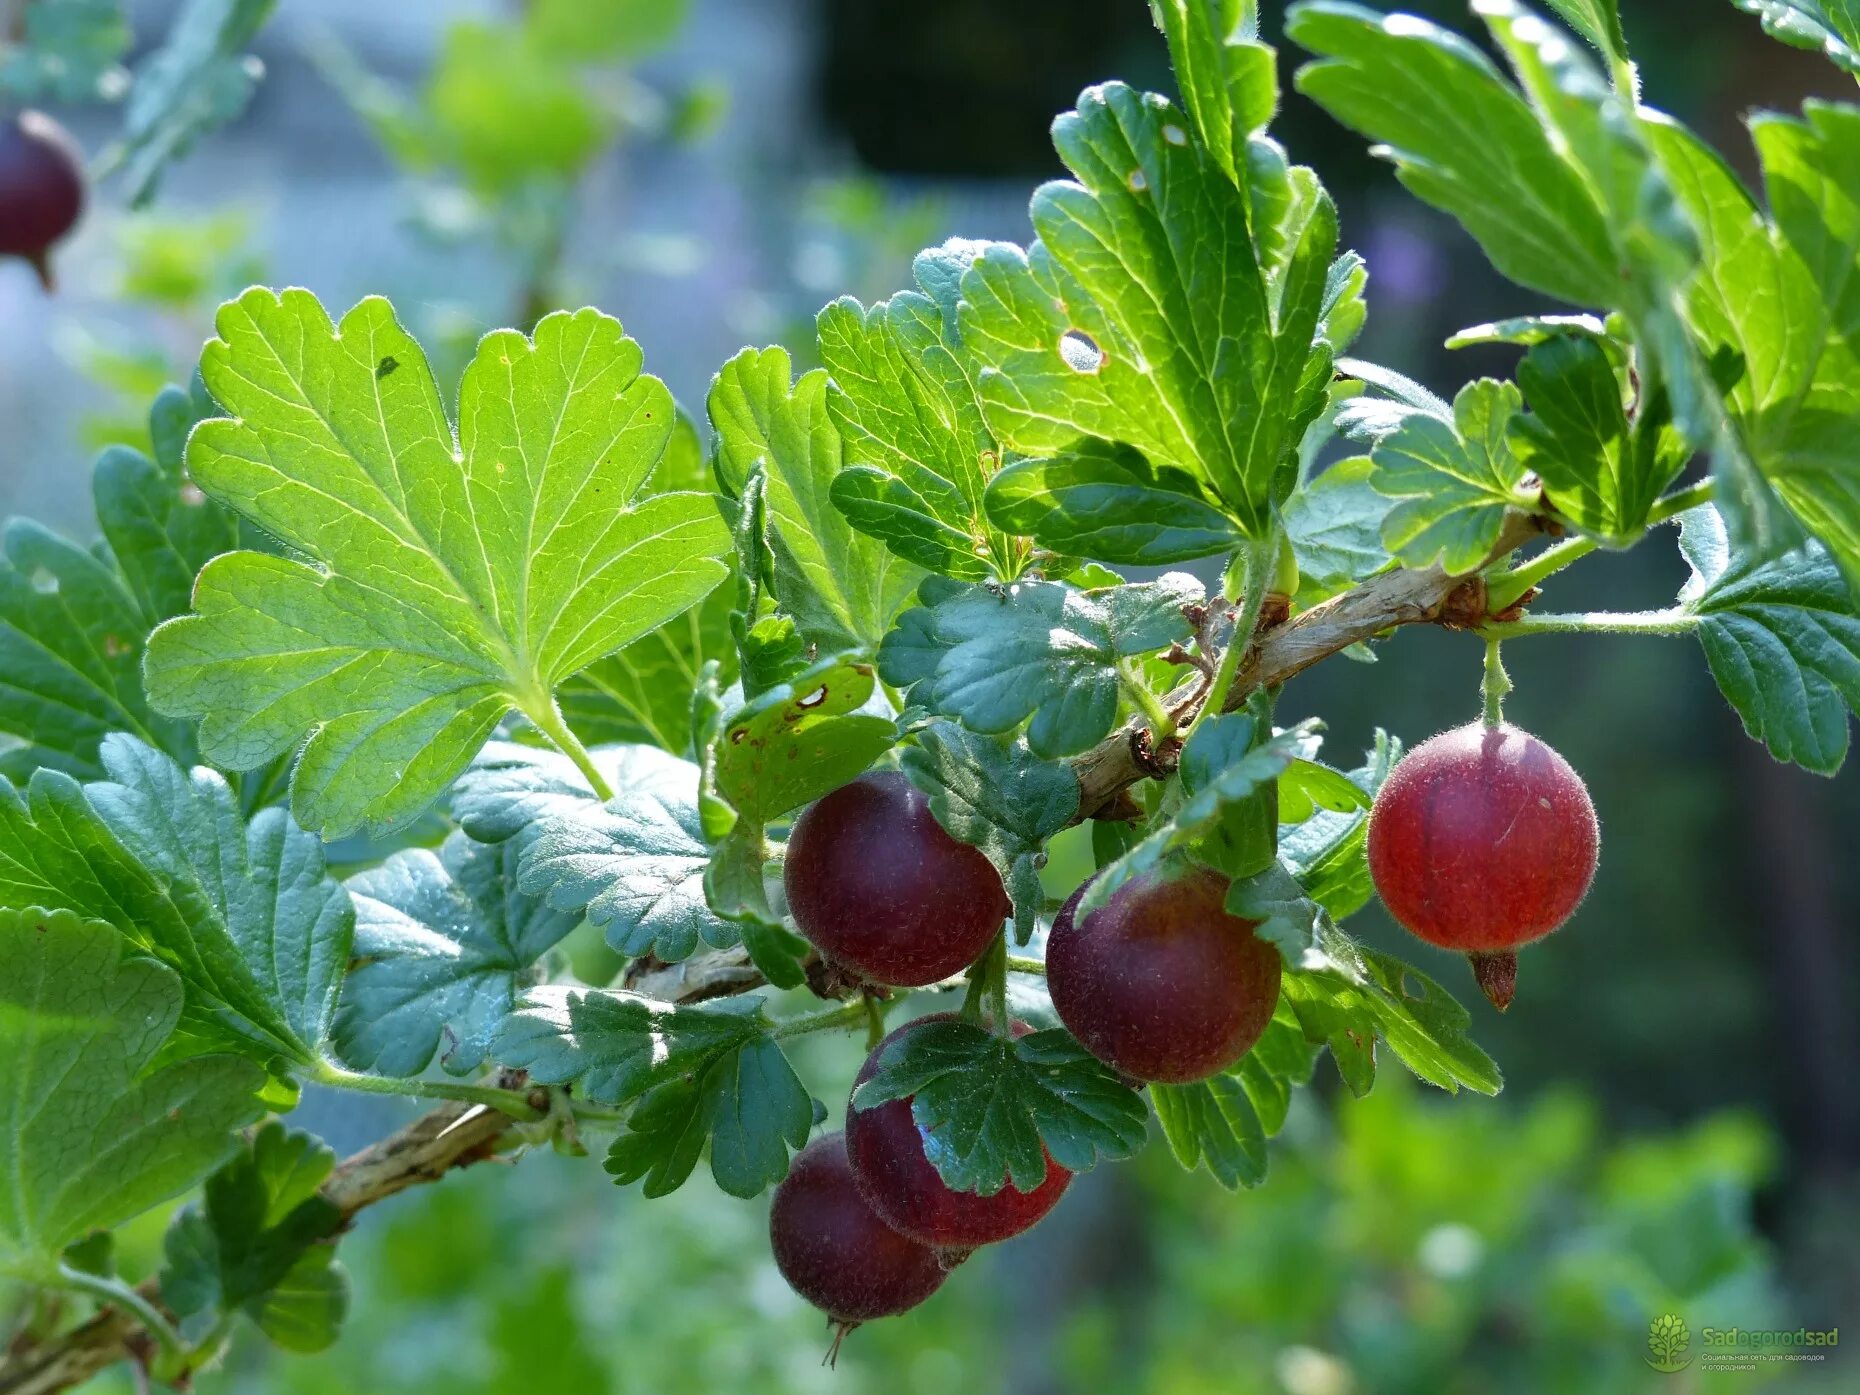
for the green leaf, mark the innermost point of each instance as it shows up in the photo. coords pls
(1227, 77)
(1454, 481)
(1334, 524)
(1599, 22)
(444, 585)
(624, 29)
(1104, 500)
(747, 1105)
(70, 51)
(994, 656)
(797, 741)
(444, 944)
(918, 454)
(512, 789)
(1346, 996)
(999, 798)
(1223, 1122)
(995, 1108)
(88, 1137)
(1327, 853)
(200, 78)
(261, 1241)
(634, 865)
(1782, 638)
(244, 912)
(1531, 330)
(1599, 472)
(1160, 307)
(1832, 26)
(643, 692)
(1227, 765)
(1462, 139)
(842, 587)
(615, 1046)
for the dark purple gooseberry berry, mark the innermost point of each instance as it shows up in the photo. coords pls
(41, 188)
(833, 1249)
(881, 889)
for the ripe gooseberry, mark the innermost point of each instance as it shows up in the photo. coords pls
(894, 1172)
(879, 887)
(1161, 981)
(1483, 839)
(41, 188)
(833, 1249)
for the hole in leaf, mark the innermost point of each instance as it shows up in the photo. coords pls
(813, 699)
(1138, 181)
(1080, 351)
(44, 582)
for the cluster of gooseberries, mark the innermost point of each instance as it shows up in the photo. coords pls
(1481, 840)
(41, 188)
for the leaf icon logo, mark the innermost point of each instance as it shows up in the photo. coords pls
(1668, 1340)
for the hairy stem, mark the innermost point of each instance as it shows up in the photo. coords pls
(1256, 565)
(1497, 684)
(1648, 622)
(514, 1103)
(1162, 725)
(1024, 964)
(847, 1014)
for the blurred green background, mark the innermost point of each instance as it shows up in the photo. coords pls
(1681, 1131)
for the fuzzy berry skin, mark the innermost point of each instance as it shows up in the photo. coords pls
(1161, 982)
(881, 889)
(833, 1249)
(896, 1175)
(41, 188)
(1483, 839)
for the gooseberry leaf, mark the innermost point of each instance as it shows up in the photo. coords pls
(1598, 21)
(262, 1241)
(634, 865)
(995, 656)
(1327, 852)
(614, 1046)
(1334, 524)
(1600, 472)
(1225, 74)
(991, 1109)
(1104, 500)
(748, 1106)
(1830, 26)
(999, 798)
(442, 584)
(842, 587)
(245, 912)
(1222, 1123)
(444, 944)
(90, 1136)
(917, 452)
(1347, 995)
(1782, 638)
(1453, 480)
(200, 78)
(1160, 307)
(1227, 765)
(73, 622)
(801, 739)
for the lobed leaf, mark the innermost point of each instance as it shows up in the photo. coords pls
(1782, 637)
(1831, 26)
(993, 1109)
(89, 1135)
(444, 945)
(444, 584)
(1222, 1123)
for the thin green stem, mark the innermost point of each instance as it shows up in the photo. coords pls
(1650, 622)
(1162, 725)
(1024, 964)
(547, 718)
(1505, 589)
(874, 1020)
(1682, 499)
(848, 1014)
(1497, 684)
(512, 1102)
(109, 1289)
(1259, 559)
(1004, 1025)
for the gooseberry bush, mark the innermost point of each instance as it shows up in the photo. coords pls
(788, 702)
